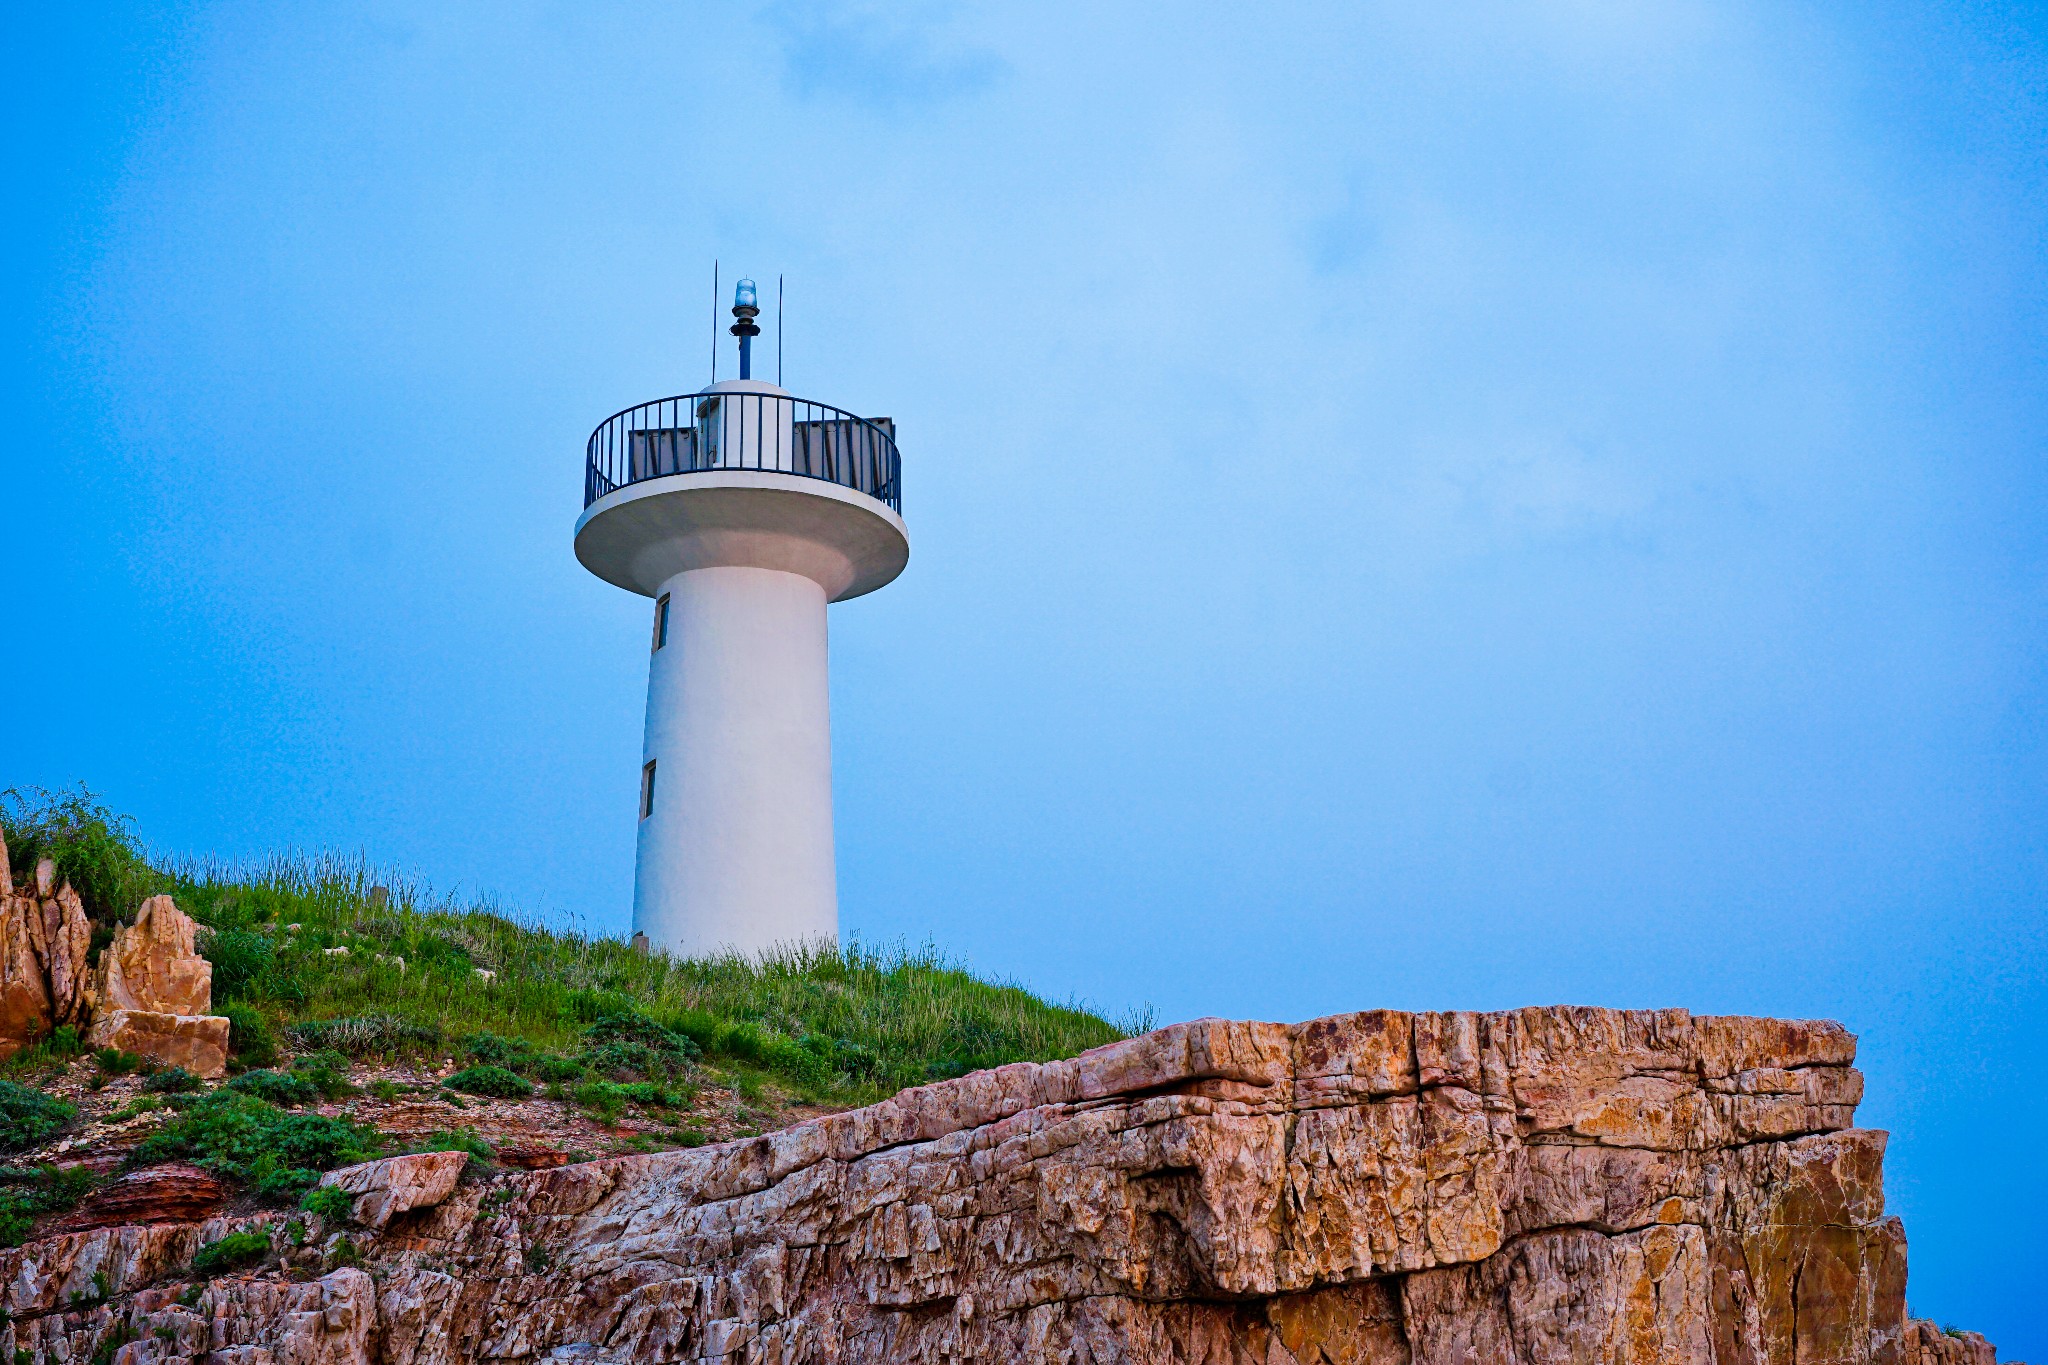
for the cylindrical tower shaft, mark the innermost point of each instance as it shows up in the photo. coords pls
(735, 846)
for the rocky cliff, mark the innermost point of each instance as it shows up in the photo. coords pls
(1545, 1185)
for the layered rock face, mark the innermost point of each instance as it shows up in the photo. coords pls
(1545, 1185)
(152, 994)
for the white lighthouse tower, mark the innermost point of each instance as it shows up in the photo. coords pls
(741, 511)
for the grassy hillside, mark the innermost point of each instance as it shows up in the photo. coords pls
(425, 976)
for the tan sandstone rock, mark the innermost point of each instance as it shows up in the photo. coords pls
(1927, 1344)
(154, 964)
(154, 991)
(44, 938)
(197, 1042)
(25, 1015)
(67, 938)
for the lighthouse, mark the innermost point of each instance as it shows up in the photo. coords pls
(740, 512)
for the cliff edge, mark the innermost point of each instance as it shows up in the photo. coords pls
(1533, 1186)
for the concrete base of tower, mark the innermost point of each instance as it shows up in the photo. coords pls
(735, 847)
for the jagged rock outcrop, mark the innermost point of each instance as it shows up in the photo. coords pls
(1927, 1344)
(154, 993)
(44, 939)
(151, 995)
(44, 942)
(153, 965)
(1535, 1186)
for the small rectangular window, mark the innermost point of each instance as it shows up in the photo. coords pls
(647, 790)
(661, 621)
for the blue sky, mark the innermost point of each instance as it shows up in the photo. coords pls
(1541, 503)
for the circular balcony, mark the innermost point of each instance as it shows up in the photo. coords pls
(743, 475)
(723, 431)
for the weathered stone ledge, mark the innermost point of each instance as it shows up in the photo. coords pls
(1548, 1185)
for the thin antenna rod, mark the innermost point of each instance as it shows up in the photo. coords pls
(778, 331)
(714, 319)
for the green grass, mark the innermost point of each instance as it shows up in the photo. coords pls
(845, 1025)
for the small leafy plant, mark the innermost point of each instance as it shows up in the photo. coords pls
(278, 1087)
(328, 1202)
(327, 1071)
(231, 1252)
(604, 1099)
(172, 1080)
(494, 1081)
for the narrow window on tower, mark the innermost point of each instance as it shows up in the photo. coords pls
(647, 790)
(661, 621)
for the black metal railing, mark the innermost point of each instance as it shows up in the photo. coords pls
(701, 432)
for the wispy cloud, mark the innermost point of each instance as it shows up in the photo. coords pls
(879, 57)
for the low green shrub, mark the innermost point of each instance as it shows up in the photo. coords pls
(488, 1049)
(172, 1080)
(231, 1252)
(28, 1116)
(327, 1071)
(554, 1069)
(278, 1087)
(113, 1062)
(649, 1094)
(638, 1028)
(626, 1046)
(624, 1060)
(605, 1100)
(27, 1192)
(250, 1140)
(608, 1099)
(494, 1081)
(328, 1202)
